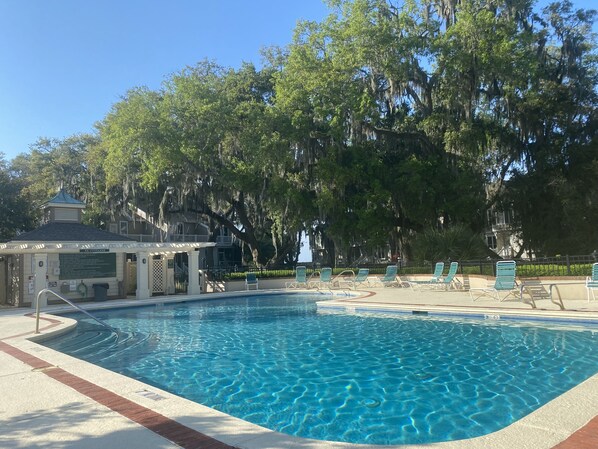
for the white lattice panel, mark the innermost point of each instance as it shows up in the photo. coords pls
(158, 276)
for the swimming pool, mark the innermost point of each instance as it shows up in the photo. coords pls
(277, 362)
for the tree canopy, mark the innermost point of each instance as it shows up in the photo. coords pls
(16, 212)
(388, 120)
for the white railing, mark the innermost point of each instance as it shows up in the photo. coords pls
(46, 291)
(142, 237)
(195, 238)
(189, 238)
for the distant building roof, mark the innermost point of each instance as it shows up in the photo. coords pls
(64, 199)
(69, 232)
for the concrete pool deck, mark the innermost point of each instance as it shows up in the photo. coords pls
(51, 400)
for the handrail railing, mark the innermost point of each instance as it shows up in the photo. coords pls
(68, 301)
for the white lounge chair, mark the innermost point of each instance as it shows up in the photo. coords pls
(592, 282)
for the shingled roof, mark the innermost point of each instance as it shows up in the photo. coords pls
(69, 232)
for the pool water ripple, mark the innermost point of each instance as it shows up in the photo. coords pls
(277, 362)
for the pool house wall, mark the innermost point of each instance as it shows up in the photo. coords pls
(68, 287)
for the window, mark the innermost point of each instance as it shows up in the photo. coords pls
(66, 214)
(124, 227)
(491, 241)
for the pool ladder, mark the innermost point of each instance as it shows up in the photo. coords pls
(69, 302)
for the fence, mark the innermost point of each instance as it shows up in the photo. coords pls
(540, 266)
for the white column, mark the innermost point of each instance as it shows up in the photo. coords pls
(143, 291)
(193, 259)
(40, 271)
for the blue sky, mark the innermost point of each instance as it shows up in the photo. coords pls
(64, 63)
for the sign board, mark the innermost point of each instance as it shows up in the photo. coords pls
(87, 265)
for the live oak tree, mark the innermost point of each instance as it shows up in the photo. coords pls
(208, 142)
(445, 99)
(554, 184)
(364, 94)
(16, 211)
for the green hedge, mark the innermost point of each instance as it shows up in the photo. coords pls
(523, 270)
(273, 274)
(582, 269)
(532, 270)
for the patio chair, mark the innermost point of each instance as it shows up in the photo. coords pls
(348, 278)
(438, 269)
(251, 281)
(325, 280)
(361, 278)
(390, 278)
(449, 280)
(300, 278)
(592, 282)
(505, 283)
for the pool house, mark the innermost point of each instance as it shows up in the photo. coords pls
(83, 263)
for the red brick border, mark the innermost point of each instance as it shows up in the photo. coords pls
(584, 438)
(178, 433)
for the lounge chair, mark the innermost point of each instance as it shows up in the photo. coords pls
(325, 280)
(251, 281)
(361, 277)
(438, 269)
(592, 282)
(449, 280)
(505, 283)
(300, 278)
(390, 278)
(348, 278)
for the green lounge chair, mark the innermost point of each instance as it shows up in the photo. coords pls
(505, 283)
(592, 282)
(361, 278)
(449, 280)
(438, 269)
(390, 278)
(300, 278)
(325, 280)
(251, 281)
(348, 278)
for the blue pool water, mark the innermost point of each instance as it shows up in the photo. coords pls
(276, 361)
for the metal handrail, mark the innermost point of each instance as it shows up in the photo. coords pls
(68, 301)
